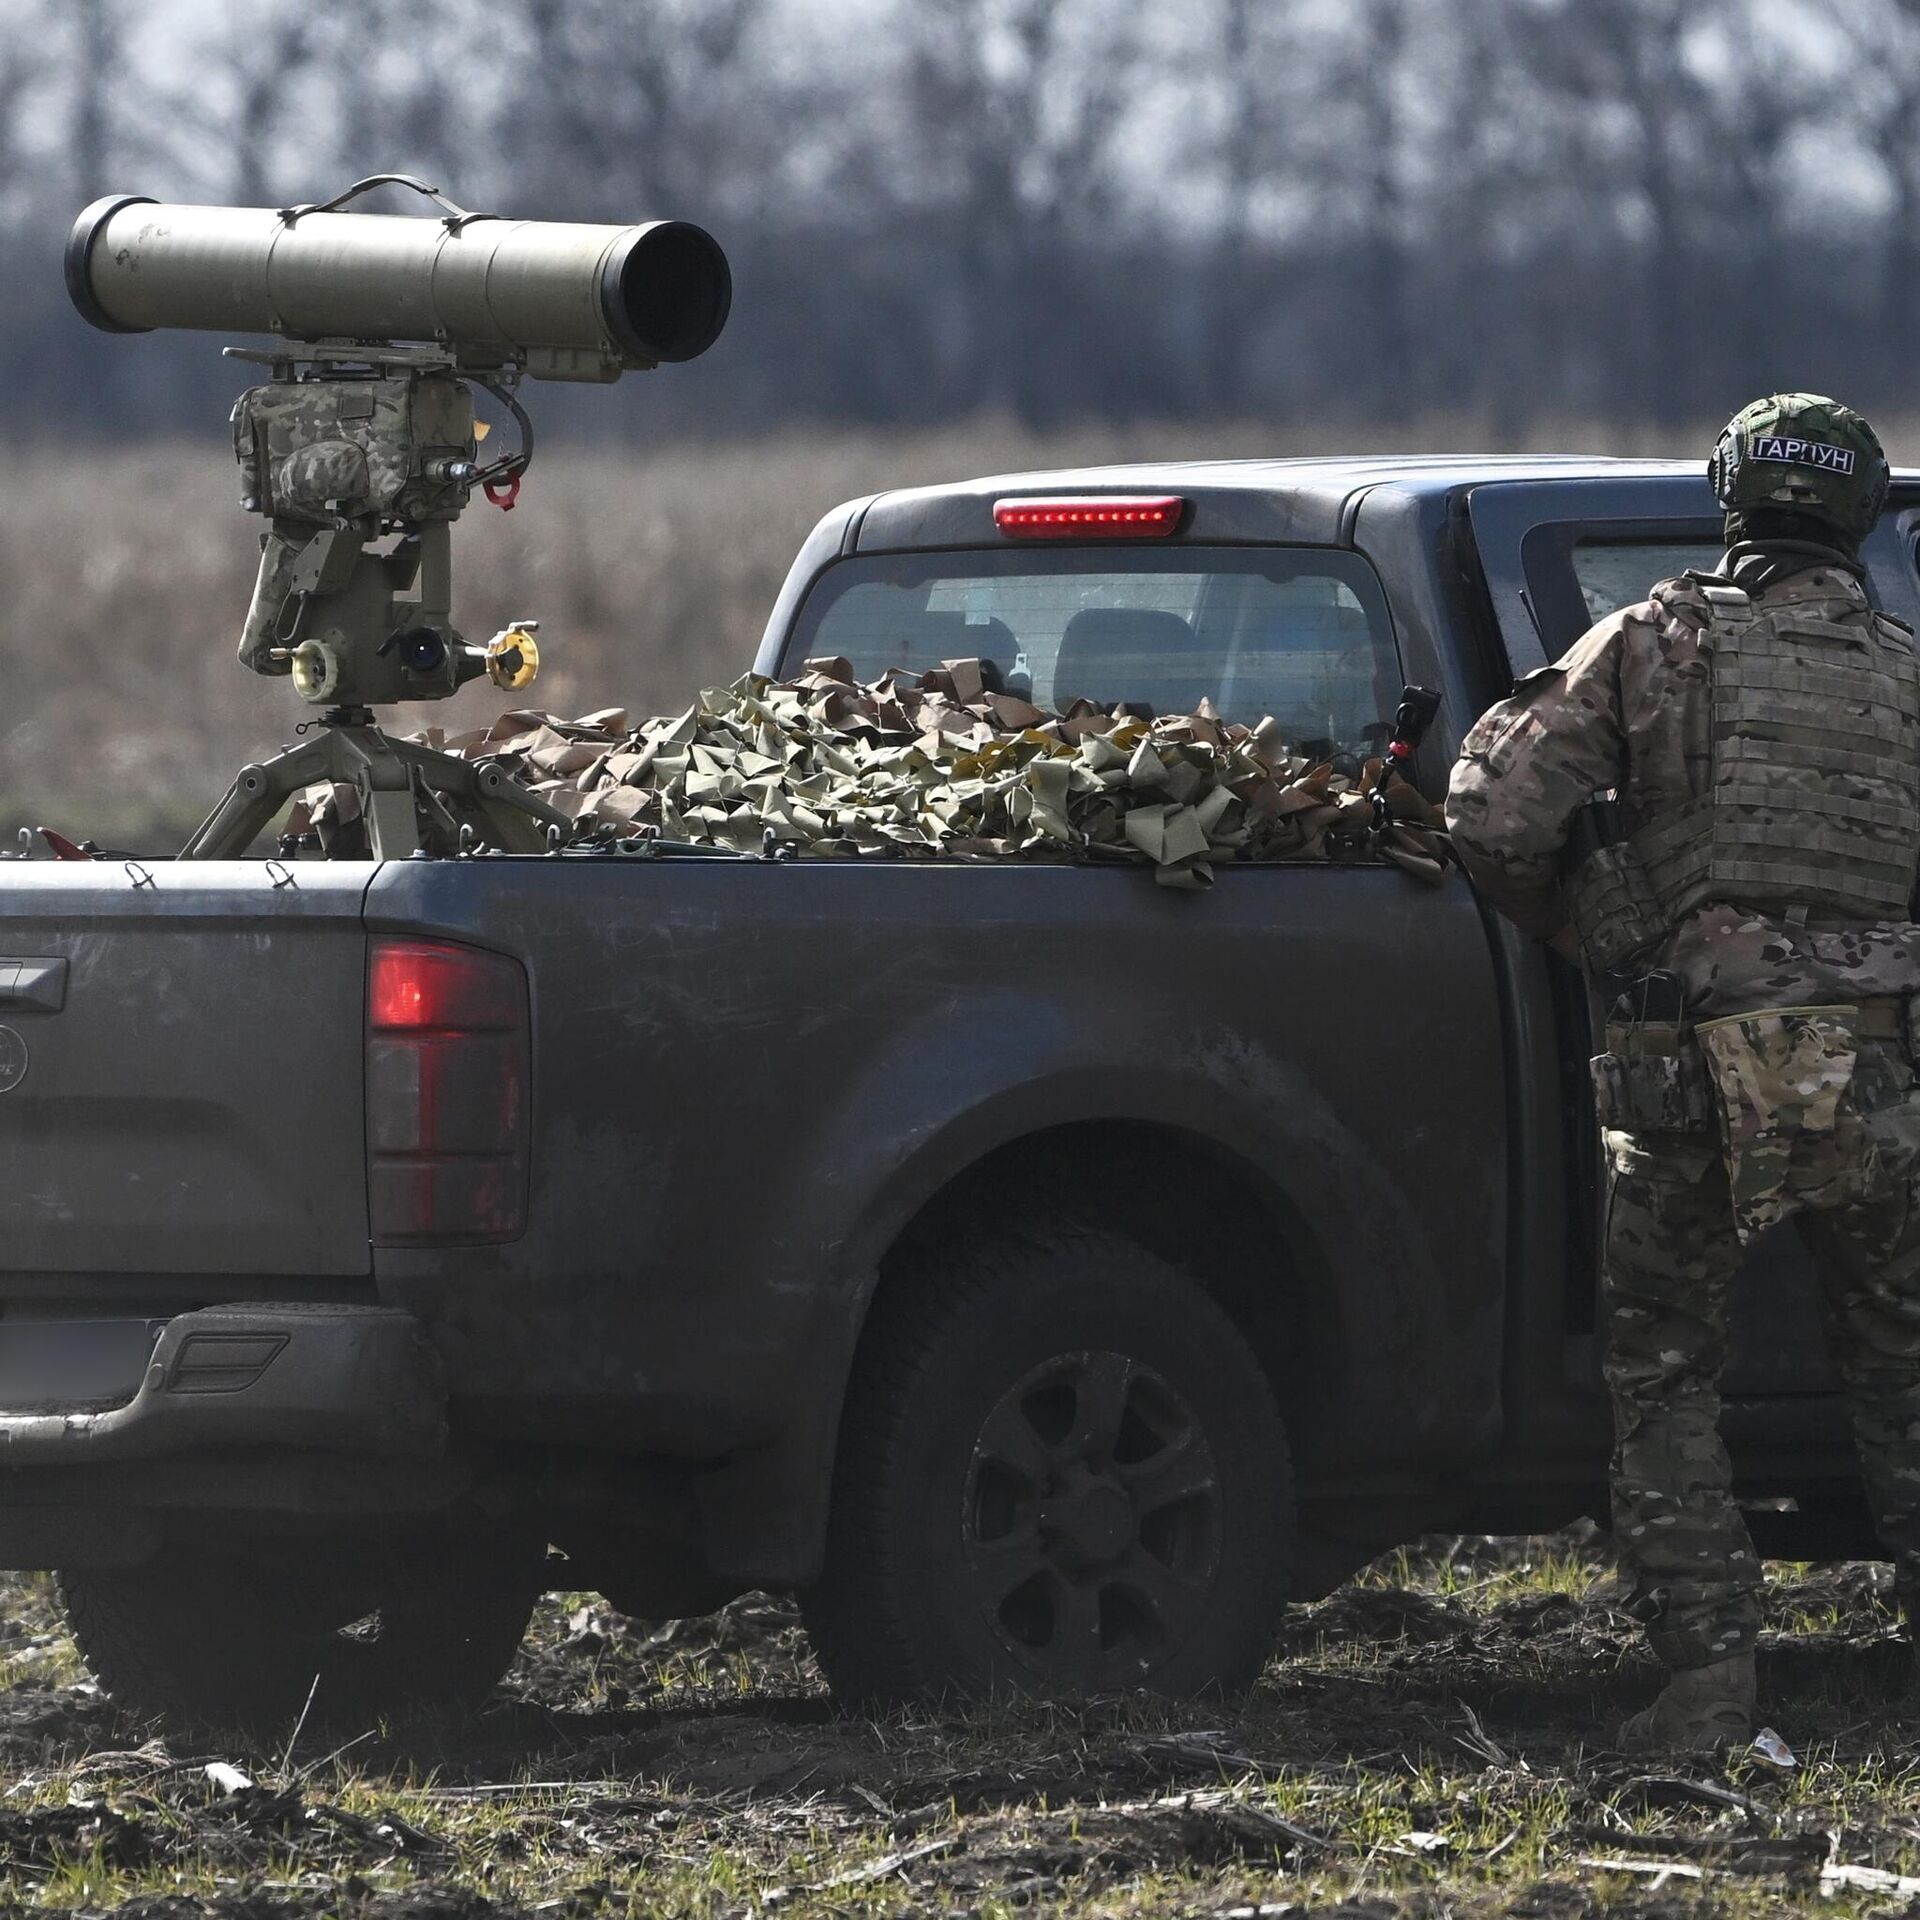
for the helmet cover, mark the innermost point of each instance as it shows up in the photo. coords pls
(1803, 452)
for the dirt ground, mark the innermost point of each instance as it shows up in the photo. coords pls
(1432, 1740)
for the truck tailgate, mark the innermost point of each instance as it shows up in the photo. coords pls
(184, 1095)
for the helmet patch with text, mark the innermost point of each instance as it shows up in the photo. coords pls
(1800, 453)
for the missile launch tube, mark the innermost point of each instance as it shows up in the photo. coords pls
(630, 295)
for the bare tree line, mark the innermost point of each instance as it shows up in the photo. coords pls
(1358, 210)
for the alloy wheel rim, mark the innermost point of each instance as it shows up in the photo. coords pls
(1091, 1524)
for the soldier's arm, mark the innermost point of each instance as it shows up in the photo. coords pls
(1528, 766)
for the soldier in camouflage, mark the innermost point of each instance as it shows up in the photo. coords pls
(1760, 729)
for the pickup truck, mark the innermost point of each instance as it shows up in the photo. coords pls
(1046, 1274)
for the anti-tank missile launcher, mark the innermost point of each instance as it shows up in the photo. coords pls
(364, 447)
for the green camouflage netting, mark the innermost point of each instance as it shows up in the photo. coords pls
(939, 765)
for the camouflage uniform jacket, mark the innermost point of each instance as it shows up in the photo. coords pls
(1628, 708)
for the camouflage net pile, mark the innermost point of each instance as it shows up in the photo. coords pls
(939, 764)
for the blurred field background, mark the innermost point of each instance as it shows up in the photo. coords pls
(967, 235)
(124, 576)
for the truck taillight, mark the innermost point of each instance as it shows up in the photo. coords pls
(448, 1061)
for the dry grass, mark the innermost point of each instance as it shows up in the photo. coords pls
(123, 578)
(1432, 1741)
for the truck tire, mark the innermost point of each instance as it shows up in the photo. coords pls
(1061, 1472)
(238, 1639)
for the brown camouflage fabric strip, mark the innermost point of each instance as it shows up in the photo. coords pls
(937, 765)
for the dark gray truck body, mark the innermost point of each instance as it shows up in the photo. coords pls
(1355, 1106)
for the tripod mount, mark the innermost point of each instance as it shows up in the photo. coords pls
(410, 798)
(362, 448)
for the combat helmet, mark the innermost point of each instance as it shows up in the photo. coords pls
(1806, 453)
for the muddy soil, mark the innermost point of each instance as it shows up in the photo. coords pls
(1405, 1725)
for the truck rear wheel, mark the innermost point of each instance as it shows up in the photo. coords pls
(242, 1638)
(1061, 1472)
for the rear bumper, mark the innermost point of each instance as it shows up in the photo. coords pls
(308, 1378)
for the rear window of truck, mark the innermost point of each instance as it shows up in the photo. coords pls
(1621, 573)
(1301, 634)
(1579, 571)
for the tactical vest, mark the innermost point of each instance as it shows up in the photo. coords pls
(1813, 796)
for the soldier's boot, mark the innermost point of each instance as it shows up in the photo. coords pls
(1906, 1591)
(1701, 1710)
(1906, 1600)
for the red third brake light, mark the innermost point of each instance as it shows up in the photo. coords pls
(1095, 516)
(448, 1066)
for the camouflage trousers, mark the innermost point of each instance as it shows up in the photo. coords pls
(1671, 1255)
